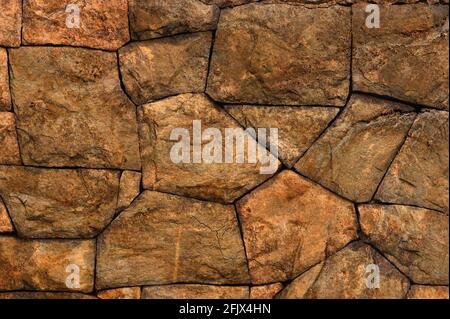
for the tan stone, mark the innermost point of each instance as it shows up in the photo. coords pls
(103, 23)
(195, 292)
(155, 18)
(45, 264)
(298, 127)
(344, 276)
(266, 291)
(160, 68)
(228, 3)
(356, 151)
(121, 293)
(281, 54)
(414, 239)
(5, 96)
(71, 110)
(59, 203)
(165, 239)
(428, 292)
(10, 22)
(9, 147)
(130, 184)
(290, 224)
(210, 181)
(44, 295)
(419, 174)
(407, 57)
(5, 221)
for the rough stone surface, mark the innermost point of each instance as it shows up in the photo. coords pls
(353, 155)
(121, 293)
(419, 174)
(44, 295)
(103, 23)
(428, 292)
(42, 264)
(343, 275)
(195, 292)
(266, 291)
(407, 57)
(160, 68)
(209, 181)
(9, 147)
(290, 224)
(10, 22)
(281, 54)
(5, 96)
(228, 3)
(71, 110)
(298, 127)
(184, 240)
(5, 221)
(414, 239)
(130, 183)
(63, 203)
(155, 18)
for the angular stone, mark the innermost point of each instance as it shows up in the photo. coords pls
(195, 292)
(9, 147)
(210, 181)
(5, 221)
(159, 68)
(130, 184)
(10, 22)
(281, 54)
(414, 239)
(407, 57)
(71, 110)
(266, 291)
(356, 151)
(344, 276)
(419, 174)
(184, 240)
(59, 203)
(298, 127)
(43, 264)
(290, 224)
(103, 24)
(5, 96)
(121, 293)
(428, 292)
(155, 18)
(44, 295)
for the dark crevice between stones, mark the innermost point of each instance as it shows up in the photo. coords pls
(241, 233)
(14, 232)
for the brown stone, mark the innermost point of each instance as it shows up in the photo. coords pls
(103, 23)
(43, 264)
(281, 54)
(407, 57)
(165, 239)
(344, 275)
(155, 18)
(9, 147)
(290, 224)
(5, 96)
(419, 174)
(428, 292)
(298, 127)
(414, 239)
(228, 3)
(195, 292)
(44, 295)
(210, 181)
(356, 151)
(10, 22)
(130, 184)
(59, 203)
(5, 221)
(159, 68)
(121, 293)
(71, 110)
(266, 291)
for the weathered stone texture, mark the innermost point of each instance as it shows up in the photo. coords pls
(10, 22)
(44, 295)
(354, 154)
(42, 264)
(5, 96)
(9, 147)
(160, 68)
(62, 203)
(407, 57)
(266, 291)
(5, 222)
(195, 292)
(71, 110)
(165, 239)
(228, 3)
(281, 54)
(130, 184)
(103, 23)
(428, 292)
(121, 293)
(414, 239)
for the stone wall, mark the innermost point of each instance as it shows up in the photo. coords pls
(93, 205)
